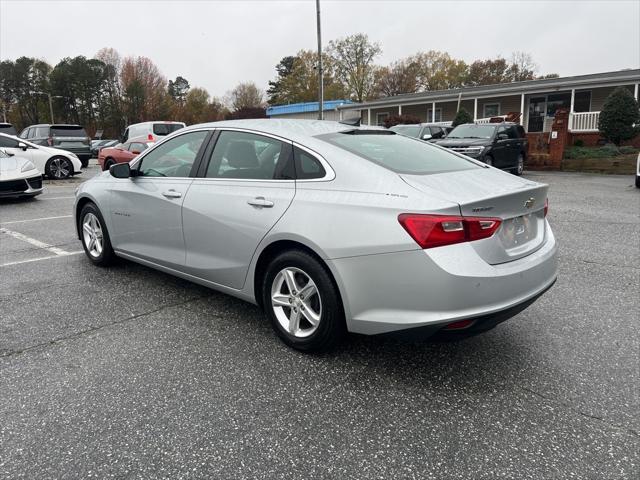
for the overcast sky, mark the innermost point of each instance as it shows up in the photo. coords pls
(216, 44)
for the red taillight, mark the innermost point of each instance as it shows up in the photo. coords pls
(546, 206)
(50, 141)
(431, 231)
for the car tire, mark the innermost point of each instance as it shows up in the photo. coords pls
(637, 181)
(519, 170)
(488, 160)
(303, 302)
(107, 163)
(58, 168)
(84, 162)
(91, 225)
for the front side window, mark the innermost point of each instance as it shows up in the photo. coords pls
(248, 156)
(137, 147)
(398, 153)
(173, 158)
(8, 142)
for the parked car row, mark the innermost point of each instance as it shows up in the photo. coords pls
(54, 163)
(502, 145)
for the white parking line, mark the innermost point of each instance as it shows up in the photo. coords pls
(35, 219)
(34, 242)
(18, 262)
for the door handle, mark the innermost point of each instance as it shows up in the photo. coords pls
(260, 202)
(172, 194)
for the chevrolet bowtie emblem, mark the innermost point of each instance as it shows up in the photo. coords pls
(529, 203)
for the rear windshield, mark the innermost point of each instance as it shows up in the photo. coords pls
(398, 153)
(165, 128)
(70, 131)
(8, 129)
(408, 130)
(469, 130)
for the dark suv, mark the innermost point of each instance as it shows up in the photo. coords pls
(503, 145)
(72, 138)
(7, 128)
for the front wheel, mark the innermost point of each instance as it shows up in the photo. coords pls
(302, 302)
(58, 168)
(488, 160)
(95, 237)
(107, 163)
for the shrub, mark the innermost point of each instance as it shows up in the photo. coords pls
(618, 116)
(462, 117)
(393, 120)
(578, 143)
(606, 151)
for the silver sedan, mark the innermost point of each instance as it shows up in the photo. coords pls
(330, 228)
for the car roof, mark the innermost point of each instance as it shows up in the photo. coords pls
(293, 129)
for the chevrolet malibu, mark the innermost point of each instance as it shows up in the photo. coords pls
(329, 227)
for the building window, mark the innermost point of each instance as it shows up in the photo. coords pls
(380, 118)
(582, 101)
(438, 115)
(491, 110)
(556, 101)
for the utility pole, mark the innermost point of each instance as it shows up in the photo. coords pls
(320, 70)
(50, 108)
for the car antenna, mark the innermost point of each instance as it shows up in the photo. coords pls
(352, 122)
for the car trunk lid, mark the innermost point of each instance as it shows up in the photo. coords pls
(488, 192)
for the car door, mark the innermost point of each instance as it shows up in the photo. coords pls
(146, 209)
(513, 147)
(245, 185)
(123, 154)
(500, 147)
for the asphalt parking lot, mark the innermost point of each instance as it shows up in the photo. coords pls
(128, 372)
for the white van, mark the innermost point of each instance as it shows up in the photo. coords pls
(151, 130)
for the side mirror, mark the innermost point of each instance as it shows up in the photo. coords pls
(23, 146)
(426, 136)
(502, 136)
(120, 170)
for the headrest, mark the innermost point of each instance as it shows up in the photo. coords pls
(242, 155)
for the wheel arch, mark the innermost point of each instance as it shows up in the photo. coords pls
(277, 246)
(80, 203)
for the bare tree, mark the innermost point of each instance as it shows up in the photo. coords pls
(354, 58)
(245, 95)
(522, 67)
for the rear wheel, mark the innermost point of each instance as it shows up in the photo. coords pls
(519, 166)
(95, 237)
(302, 302)
(58, 168)
(637, 181)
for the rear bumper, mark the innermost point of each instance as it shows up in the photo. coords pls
(420, 288)
(83, 153)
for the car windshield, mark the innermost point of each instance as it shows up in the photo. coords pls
(165, 128)
(67, 131)
(398, 153)
(408, 130)
(471, 130)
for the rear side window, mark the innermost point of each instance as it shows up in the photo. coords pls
(137, 147)
(70, 131)
(307, 166)
(165, 128)
(398, 153)
(249, 156)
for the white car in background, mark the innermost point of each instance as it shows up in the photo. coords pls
(19, 177)
(53, 162)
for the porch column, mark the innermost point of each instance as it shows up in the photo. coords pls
(635, 91)
(399, 109)
(433, 112)
(522, 109)
(340, 113)
(573, 98)
(475, 109)
(368, 116)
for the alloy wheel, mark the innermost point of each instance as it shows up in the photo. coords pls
(92, 235)
(520, 164)
(60, 168)
(296, 302)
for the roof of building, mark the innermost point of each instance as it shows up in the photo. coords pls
(304, 107)
(512, 88)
